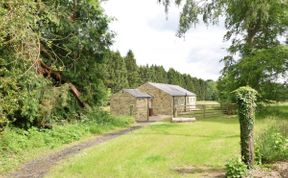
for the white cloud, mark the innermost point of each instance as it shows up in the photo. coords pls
(142, 26)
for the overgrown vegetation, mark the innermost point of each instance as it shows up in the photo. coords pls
(272, 142)
(246, 100)
(235, 168)
(50, 60)
(18, 145)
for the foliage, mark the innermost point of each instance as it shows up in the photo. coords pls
(104, 118)
(71, 38)
(77, 45)
(132, 70)
(235, 168)
(246, 100)
(20, 94)
(116, 78)
(212, 93)
(16, 145)
(255, 29)
(259, 70)
(249, 23)
(272, 144)
(273, 111)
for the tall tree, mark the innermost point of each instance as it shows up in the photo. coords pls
(145, 75)
(117, 72)
(253, 26)
(258, 22)
(132, 69)
(45, 44)
(174, 77)
(260, 70)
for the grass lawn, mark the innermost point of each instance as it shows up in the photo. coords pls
(157, 150)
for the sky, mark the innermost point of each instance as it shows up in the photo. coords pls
(143, 27)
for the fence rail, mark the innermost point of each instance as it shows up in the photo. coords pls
(203, 111)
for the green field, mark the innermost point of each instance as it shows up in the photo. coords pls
(157, 150)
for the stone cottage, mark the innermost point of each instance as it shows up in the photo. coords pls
(131, 102)
(166, 98)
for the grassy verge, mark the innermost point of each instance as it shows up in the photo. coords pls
(18, 145)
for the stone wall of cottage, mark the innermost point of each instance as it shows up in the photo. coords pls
(162, 103)
(123, 103)
(142, 109)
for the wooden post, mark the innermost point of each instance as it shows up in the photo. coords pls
(175, 112)
(148, 100)
(173, 107)
(131, 110)
(204, 110)
(185, 103)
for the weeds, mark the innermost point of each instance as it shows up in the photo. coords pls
(272, 144)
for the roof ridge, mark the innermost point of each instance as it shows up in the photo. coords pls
(136, 92)
(173, 90)
(164, 83)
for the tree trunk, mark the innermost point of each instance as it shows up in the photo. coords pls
(247, 139)
(46, 71)
(246, 99)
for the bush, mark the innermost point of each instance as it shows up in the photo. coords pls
(98, 116)
(272, 144)
(235, 168)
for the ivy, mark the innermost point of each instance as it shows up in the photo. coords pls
(246, 99)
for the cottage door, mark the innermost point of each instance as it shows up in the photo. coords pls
(150, 107)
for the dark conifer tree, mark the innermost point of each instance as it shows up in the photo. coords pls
(132, 69)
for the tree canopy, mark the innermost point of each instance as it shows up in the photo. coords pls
(47, 50)
(254, 28)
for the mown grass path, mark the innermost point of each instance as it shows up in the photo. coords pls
(39, 167)
(160, 150)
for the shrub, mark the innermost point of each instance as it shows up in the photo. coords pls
(235, 168)
(98, 116)
(272, 144)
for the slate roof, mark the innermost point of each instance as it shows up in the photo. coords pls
(173, 90)
(137, 93)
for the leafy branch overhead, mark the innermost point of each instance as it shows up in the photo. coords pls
(250, 21)
(257, 30)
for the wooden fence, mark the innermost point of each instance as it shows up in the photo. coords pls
(206, 111)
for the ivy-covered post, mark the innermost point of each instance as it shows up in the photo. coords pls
(246, 100)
